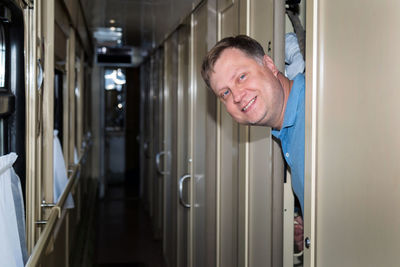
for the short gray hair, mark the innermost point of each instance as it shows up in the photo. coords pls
(244, 43)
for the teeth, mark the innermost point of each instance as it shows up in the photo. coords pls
(249, 104)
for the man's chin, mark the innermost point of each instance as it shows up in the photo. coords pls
(254, 122)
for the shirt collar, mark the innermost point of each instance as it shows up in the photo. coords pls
(291, 105)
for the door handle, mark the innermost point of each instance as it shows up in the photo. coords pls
(158, 161)
(40, 76)
(181, 181)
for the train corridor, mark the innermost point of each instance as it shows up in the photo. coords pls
(124, 234)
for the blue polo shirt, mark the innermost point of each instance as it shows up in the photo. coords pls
(292, 136)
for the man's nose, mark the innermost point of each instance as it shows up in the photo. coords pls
(238, 93)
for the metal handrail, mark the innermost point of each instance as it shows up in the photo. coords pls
(44, 239)
(55, 215)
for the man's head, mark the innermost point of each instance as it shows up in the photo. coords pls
(244, 43)
(246, 81)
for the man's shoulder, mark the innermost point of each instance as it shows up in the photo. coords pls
(299, 80)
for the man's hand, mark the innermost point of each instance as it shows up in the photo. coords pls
(298, 234)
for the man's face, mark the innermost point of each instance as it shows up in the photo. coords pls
(250, 91)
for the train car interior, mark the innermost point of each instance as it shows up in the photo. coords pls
(114, 151)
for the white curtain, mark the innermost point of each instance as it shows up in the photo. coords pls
(60, 174)
(12, 218)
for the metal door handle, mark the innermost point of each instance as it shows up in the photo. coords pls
(158, 161)
(40, 75)
(181, 181)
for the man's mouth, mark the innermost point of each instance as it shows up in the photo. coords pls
(249, 104)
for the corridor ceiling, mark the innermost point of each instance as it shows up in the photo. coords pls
(144, 23)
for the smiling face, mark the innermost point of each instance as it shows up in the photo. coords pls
(250, 91)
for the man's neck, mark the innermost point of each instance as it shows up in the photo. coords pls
(286, 84)
(287, 87)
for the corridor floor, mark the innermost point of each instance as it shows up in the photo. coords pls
(123, 232)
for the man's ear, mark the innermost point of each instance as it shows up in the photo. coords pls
(269, 63)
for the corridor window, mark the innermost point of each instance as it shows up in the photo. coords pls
(115, 81)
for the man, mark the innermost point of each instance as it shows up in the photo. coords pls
(254, 92)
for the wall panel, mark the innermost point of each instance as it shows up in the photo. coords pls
(203, 149)
(352, 134)
(171, 203)
(228, 157)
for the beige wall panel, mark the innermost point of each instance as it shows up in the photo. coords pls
(265, 166)
(30, 16)
(55, 254)
(204, 180)
(229, 21)
(145, 111)
(157, 121)
(82, 31)
(260, 197)
(73, 9)
(228, 189)
(60, 45)
(225, 4)
(352, 133)
(228, 160)
(78, 50)
(173, 216)
(71, 98)
(61, 17)
(80, 104)
(66, 109)
(149, 140)
(48, 101)
(243, 196)
(260, 168)
(261, 19)
(21, 4)
(211, 160)
(166, 166)
(183, 142)
(151, 155)
(97, 118)
(155, 137)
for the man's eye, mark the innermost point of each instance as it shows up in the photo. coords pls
(241, 77)
(225, 93)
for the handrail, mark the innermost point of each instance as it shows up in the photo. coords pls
(55, 214)
(44, 238)
(71, 182)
